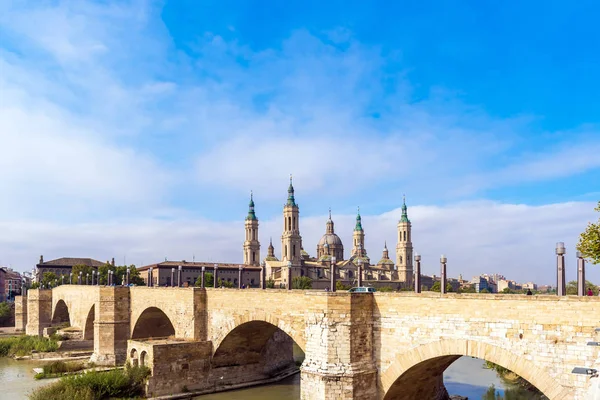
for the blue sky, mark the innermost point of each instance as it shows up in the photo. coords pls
(141, 118)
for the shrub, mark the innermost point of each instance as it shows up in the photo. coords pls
(126, 383)
(23, 345)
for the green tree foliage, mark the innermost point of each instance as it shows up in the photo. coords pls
(301, 282)
(589, 241)
(224, 283)
(270, 284)
(84, 269)
(119, 272)
(386, 289)
(5, 313)
(484, 290)
(209, 280)
(48, 278)
(339, 286)
(572, 287)
(490, 394)
(437, 285)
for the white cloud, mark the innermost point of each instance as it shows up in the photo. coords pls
(479, 237)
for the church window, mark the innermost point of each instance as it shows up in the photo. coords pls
(400, 259)
(405, 236)
(253, 256)
(289, 223)
(294, 226)
(294, 253)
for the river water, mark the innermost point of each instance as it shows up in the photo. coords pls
(466, 376)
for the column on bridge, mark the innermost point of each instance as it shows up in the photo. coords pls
(20, 313)
(339, 360)
(39, 311)
(112, 325)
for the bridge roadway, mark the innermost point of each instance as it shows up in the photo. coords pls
(356, 346)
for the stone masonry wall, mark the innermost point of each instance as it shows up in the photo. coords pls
(39, 311)
(20, 313)
(538, 337)
(339, 360)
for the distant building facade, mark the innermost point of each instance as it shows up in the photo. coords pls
(163, 272)
(63, 266)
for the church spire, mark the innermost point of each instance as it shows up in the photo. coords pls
(291, 201)
(358, 226)
(329, 227)
(404, 217)
(251, 215)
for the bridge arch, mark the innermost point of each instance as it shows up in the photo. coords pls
(152, 323)
(408, 368)
(61, 315)
(254, 321)
(88, 329)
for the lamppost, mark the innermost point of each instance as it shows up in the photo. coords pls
(179, 275)
(443, 261)
(417, 273)
(332, 273)
(62, 279)
(360, 262)
(263, 283)
(202, 279)
(79, 279)
(173, 277)
(70, 278)
(241, 270)
(128, 272)
(216, 269)
(560, 269)
(87, 278)
(580, 274)
(109, 278)
(93, 275)
(289, 275)
(151, 277)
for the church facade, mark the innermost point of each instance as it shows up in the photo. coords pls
(296, 261)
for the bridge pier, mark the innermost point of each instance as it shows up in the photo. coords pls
(39, 311)
(111, 326)
(339, 360)
(20, 313)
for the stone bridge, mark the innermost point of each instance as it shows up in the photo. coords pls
(356, 346)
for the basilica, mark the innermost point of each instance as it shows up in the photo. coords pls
(295, 261)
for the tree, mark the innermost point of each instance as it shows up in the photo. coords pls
(301, 282)
(589, 241)
(84, 269)
(385, 289)
(270, 284)
(224, 283)
(209, 280)
(484, 290)
(437, 285)
(5, 313)
(48, 278)
(572, 288)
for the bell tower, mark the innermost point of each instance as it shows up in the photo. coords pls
(404, 248)
(358, 237)
(291, 241)
(251, 244)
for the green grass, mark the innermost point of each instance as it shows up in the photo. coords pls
(24, 345)
(117, 383)
(58, 368)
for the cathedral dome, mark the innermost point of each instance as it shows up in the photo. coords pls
(330, 239)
